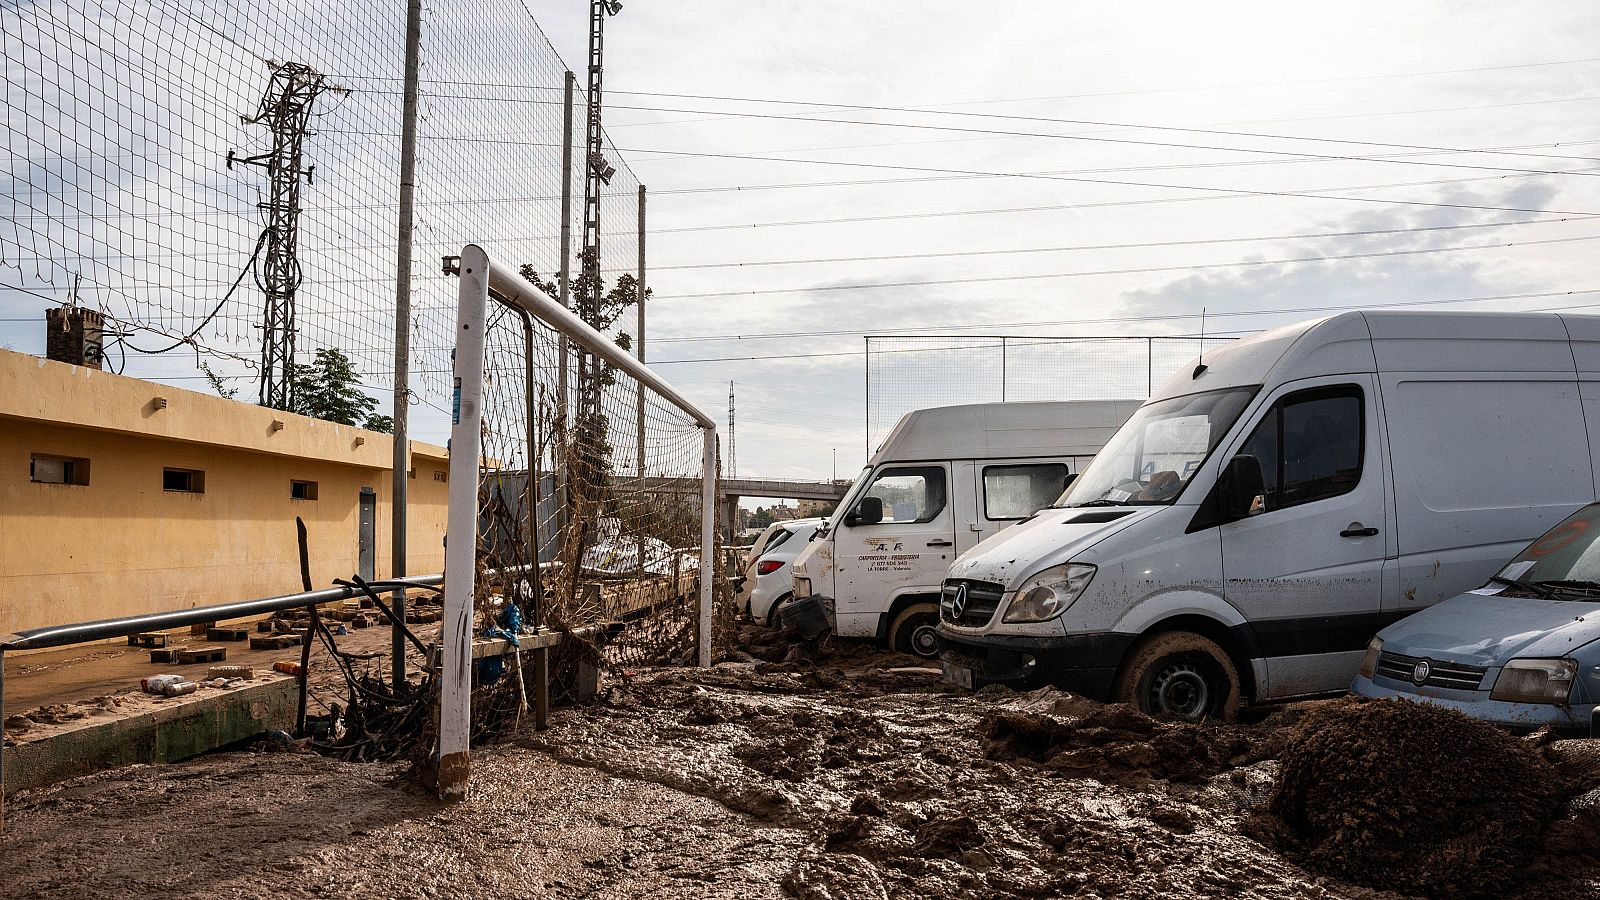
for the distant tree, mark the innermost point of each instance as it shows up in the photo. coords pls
(329, 389)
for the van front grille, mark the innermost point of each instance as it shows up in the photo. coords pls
(977, 602)
(1458, 676)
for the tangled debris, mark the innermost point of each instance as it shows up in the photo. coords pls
(1412, 797)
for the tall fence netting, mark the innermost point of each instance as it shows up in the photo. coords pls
(127, 187)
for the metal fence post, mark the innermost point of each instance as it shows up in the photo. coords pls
(563, 354)
(399, 490)
(461, 530)
(708, 541)
(1002, 370)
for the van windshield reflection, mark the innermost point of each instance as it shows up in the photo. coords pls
(1154, 455)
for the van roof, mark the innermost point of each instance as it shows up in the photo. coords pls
(1006, 430)
(1397, 341)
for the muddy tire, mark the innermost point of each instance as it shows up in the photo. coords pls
(1180, 675)
(772, 612)
(913, 631)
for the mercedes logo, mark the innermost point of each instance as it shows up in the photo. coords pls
(1420, 672)
(958, 606)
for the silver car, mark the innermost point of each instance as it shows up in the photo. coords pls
(1522, 651)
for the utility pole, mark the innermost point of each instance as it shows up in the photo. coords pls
(400, 482)
(733, 447)
(285, 109)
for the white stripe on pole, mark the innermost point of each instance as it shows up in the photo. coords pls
(460, 572)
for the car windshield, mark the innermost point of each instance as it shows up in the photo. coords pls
(1564, 560)
(1154, 454)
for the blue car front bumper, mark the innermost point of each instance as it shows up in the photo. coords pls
(1573, 719)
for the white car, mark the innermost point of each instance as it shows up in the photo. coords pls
(770, 577)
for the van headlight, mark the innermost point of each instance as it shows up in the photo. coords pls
(1535, 681)
(1049, 593)
(1369, 663)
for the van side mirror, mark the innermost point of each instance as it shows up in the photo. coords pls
(868, 512)
(1067, 481)
(1241, 484)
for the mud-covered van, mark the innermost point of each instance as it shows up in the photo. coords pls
(1280, 500)
(943, 480)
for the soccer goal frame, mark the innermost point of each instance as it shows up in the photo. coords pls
(483, 281)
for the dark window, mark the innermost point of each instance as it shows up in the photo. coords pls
(303, 490)
(1309, 446)
(912, 494)
(58, 470)
(1017, 492)
(186, 481)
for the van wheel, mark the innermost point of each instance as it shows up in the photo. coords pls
(915, 631)
(1180, 675)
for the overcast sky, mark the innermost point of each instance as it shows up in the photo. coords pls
(1197, 105)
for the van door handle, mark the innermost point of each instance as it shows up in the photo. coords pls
(1356, 530)
(941, 543)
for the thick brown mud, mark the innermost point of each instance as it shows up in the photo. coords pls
(831, 772)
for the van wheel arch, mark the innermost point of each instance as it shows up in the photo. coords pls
(1214, 631)
(891, 621)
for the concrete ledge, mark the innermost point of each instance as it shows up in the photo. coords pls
(163, 735)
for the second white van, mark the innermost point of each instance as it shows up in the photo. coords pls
(1277, 502)
(944, 479)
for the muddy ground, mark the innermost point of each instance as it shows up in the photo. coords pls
(853, 774)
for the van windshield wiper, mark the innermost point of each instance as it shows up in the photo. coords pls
(1102, 502)
(1538, 590)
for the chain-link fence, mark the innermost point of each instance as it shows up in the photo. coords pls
(907, 372)
(134, 167)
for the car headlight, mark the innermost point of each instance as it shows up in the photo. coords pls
(802, 586)
(1049, 593)
(1369, 663)
(1535, 681)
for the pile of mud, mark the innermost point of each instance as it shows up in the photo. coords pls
(1411, 797)
(1109, 742)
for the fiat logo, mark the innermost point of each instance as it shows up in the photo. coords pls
(1420, 672)
(958, 606)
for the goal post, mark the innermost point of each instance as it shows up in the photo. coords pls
(584, 535)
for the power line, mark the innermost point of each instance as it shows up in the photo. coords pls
(1187, 243)
(715, 189)
(1160, 318)
(1132, 271)
(1221, 132)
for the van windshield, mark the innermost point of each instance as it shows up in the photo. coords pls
(1154, 454)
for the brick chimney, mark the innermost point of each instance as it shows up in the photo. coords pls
(74, 335)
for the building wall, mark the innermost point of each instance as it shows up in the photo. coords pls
(123, 545)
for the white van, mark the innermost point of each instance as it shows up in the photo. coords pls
(1277, 502)
(944, 479)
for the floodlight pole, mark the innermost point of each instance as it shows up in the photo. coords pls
(401, 464)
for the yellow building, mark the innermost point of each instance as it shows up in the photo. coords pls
(120, 496)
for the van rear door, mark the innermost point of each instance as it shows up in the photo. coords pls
(1306, 570)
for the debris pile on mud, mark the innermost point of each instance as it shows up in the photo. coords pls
(1109, 742)
(1412, 797)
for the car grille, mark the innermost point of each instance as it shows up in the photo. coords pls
(982, 599)
(1459, 676)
